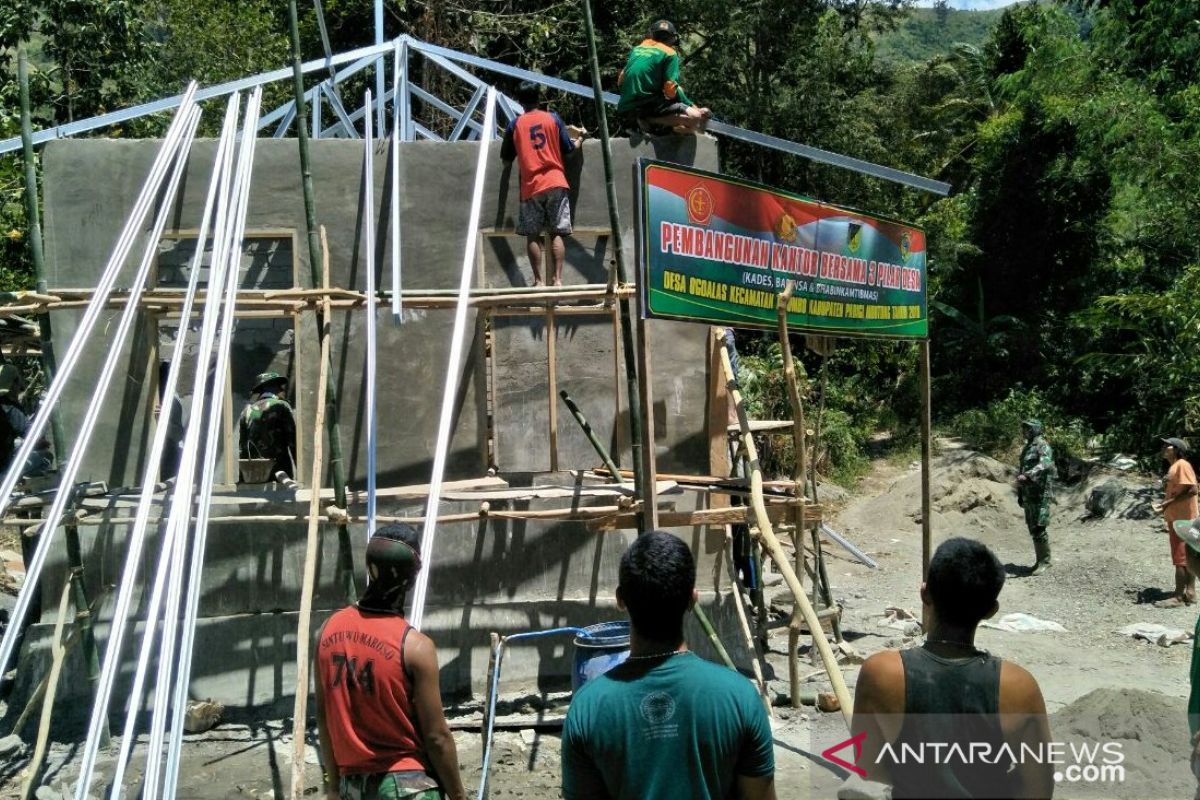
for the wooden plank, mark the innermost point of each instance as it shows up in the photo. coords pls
(734, 515)
(255, 498)
(646, 400)
(718, 422)
(763, 426)
(556, 492)
(576, 232)
(702, 480)
(231, 450)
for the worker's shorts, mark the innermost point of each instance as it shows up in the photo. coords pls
(660, 108)
(548, 211)
(1178, 547)
(410, 785)
(638, 118)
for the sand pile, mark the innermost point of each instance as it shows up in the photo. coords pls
(1152, 731)
(972, 495)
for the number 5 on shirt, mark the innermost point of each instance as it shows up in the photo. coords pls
(537, 136)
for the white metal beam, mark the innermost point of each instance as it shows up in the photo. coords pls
(168, 103)
(450, 389)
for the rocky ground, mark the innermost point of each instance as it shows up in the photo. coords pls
(1099, 684)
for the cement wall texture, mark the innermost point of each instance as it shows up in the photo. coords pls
(499, 575)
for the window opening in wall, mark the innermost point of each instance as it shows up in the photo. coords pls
(263, 342)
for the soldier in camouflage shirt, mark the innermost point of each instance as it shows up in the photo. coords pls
(268, 426)
(1033, 489)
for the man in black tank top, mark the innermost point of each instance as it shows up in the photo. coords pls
(913, 706)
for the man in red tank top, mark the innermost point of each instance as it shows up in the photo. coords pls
(379, 707)
(539, 140)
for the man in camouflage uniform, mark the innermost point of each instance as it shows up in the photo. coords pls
(1033, 489)
(268, 426)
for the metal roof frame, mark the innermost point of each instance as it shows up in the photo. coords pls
(466, 127)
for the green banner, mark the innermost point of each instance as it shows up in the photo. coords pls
(720, 250)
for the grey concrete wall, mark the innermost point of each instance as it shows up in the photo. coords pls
(503, 576)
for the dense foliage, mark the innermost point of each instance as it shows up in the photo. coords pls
(1063, 270)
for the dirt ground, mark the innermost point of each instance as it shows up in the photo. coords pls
(1099, 685)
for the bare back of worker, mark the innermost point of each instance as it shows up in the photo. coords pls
(912, 705)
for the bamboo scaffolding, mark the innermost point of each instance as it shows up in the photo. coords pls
(766, 535)
(290, 301)
(97, 500)
(600, 518)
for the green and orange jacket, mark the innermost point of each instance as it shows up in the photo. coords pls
(651, 76)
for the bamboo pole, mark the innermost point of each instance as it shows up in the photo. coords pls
(729, 515)
(303, 630)
(800, 445)
(58, 651)
(50, 365)
(766, 534)
(821, 574)
(315, 260)
(36, 256)
(618, 275)
(84, 613)
(926, 463)
(600, 449)
(487, 705)
(711, 633)
(602, 518)
(251, 302)
(747, 634)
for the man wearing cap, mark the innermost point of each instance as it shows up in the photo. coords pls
(1036, 466)
(650, 90)
(382, 729)
(1179, 503)
(268, 426)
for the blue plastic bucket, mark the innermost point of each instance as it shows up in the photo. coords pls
(605, 646)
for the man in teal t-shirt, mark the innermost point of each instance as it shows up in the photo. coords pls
(666, 723)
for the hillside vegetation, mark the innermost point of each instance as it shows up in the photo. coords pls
(926, 33)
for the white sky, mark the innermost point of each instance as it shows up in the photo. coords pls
(970, 5)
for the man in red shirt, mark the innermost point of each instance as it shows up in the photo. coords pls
(539, 140)
(382, 730)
